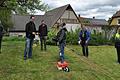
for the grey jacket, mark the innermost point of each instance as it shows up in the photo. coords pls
(62, 35)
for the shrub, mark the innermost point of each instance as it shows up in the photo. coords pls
(51, 34)
(13, 38)
(98, 39)
(72, 37)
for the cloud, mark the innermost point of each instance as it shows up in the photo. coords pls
(89, 8)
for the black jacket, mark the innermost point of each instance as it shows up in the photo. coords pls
(61, 35)
(1, 30)
(43, 30)
(29, 29)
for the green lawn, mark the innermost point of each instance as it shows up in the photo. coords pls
(101, 64)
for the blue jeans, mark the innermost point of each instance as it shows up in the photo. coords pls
(62, 46)
(28, 48)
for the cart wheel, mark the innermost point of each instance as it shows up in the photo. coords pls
(66, 69)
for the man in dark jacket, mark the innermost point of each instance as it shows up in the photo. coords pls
(1, 34)
(84, 37)
(30, 35)
(61, 35)
(43, 34)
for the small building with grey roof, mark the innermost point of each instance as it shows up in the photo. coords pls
(93, 24)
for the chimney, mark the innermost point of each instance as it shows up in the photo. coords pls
(79, 15)
(93, 17)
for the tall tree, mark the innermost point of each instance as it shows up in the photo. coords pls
(7, 7)
(5, 17)
(26, 6)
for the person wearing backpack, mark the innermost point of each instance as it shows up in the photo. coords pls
(61, 37)
(84, 37)
(117, 44)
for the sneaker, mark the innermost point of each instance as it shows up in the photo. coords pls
(25, 58)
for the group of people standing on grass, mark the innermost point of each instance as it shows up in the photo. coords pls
(42, 32)
(60, 38)
(84, 37)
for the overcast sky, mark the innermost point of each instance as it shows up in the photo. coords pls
(102, 9)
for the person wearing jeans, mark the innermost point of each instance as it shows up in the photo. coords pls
(61, 35)
(30, 35)
(84, 37)
(61, 53)
(28, 48)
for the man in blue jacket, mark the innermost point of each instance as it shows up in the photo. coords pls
(84, 37)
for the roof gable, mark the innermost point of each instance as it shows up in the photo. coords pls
(52, 16)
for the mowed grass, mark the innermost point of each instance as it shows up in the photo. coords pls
(101, 64)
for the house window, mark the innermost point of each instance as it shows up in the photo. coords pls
(118, 21)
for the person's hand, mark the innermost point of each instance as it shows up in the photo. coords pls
(79, 42)
(33, 33)
(57, 43)
(45, 37)
(86, 42)
(37, 33)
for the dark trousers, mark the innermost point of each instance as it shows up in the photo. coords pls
(28, 48)
(0, 43)
(43, 41)
(85, 50)
(118, 53)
